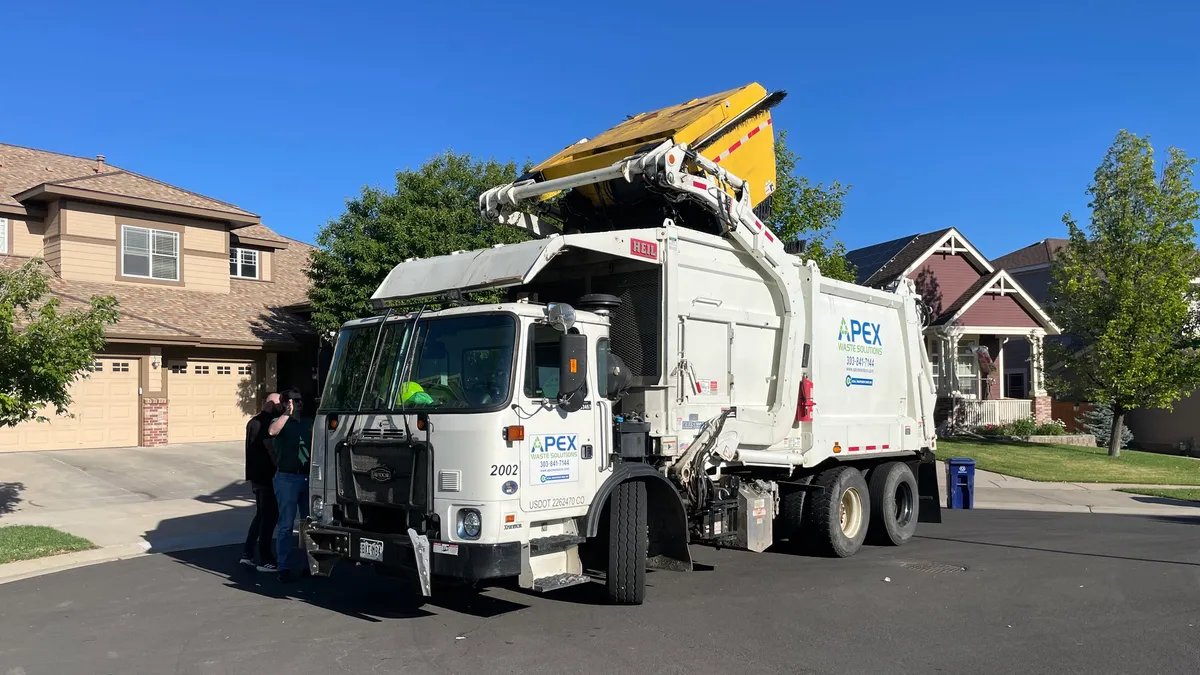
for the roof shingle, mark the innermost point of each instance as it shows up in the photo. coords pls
(1039, 253)
(22, 169)
(902, 255)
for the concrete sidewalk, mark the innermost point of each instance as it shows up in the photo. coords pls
(997, 491)
(127, 501)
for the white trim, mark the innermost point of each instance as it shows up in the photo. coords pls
(236, 252)
(1021, 296)
(150, 253)
(4, 234)
(948, 246)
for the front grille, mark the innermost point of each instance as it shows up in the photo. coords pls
(380, 478)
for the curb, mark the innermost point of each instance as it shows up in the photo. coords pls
(27, 569)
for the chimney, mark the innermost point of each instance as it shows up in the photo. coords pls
(99, 163)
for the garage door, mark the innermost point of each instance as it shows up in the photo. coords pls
(210, 400)
(105, 409)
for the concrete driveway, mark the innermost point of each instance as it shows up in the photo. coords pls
(986, 592)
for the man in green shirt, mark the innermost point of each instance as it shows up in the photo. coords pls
(292, 438)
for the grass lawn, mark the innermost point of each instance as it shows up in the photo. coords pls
(1073, 464)
(25, 542)
(1186, 495)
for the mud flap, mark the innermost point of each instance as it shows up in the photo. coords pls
(930, 510)
(420, 544)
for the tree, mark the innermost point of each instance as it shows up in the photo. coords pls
(432, 211)
(1122, 288)
(43, 349)
(800, 208)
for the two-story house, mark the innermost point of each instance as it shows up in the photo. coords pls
(204, 291)
(977, 314)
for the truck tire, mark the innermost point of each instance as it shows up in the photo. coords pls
(627, 543)
(839, 513)
(790, 522)
(894, 504)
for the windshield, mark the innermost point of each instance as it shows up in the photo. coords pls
(459, 363)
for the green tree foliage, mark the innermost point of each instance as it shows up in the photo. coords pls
(43, 349)
(1122, 286)
(802, 210)
(432, 211)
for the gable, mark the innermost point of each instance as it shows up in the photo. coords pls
(942, 279)
(996, 301)
(997, 310)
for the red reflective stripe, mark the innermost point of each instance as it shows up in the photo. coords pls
(885, 447)
(870, 447)
(698, 184)
(853, 448)
(753, 131)
(769, 237)
(735, 146)
(758, 224)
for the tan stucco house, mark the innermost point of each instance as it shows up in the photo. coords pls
(204, 289)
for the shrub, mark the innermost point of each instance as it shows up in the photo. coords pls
(1052, 428)
(1024, 427)
(1098, 422)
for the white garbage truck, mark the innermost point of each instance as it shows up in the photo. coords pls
(651, 369)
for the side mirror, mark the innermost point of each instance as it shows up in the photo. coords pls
(572, 371)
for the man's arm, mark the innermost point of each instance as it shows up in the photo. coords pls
(278, 424)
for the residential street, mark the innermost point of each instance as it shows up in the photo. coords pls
(1040, 593)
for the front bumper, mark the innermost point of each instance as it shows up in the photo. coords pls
(326, 544)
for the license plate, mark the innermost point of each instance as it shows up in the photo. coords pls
(369, 549)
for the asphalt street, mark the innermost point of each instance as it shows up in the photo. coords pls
(984, 592)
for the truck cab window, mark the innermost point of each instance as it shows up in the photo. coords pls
(541, 376)
(602, 365)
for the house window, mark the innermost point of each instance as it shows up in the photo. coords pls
(3, 236)
(201, 370)
(96, 367)
(1014, 385)
(149, 254)
(222, 370)
(243, 263)
(935, 360)
(966, 368)
(179, 369)
(120, 367)
(245, 370)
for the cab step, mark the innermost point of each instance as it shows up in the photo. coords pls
(554, 544)
(553, 583)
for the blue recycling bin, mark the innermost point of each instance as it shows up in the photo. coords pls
(960, 483)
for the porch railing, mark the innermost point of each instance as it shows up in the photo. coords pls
(974, 413)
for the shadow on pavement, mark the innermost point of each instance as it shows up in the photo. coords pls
(1165, 502)
(9, 496)
(203, 541)
(353, 590)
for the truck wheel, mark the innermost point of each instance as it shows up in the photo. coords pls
(627, 543)
(790, 521)
(893, 504)
(839, 513)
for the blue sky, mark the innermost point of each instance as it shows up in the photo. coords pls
(989, 117)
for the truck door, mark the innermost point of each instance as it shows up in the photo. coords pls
(558, 466)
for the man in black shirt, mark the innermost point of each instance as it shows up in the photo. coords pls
(260, 471)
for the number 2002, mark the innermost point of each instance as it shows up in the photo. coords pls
(504, 469)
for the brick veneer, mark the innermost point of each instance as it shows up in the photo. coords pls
(1041, 409)
(154, 422)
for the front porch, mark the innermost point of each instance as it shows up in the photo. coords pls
(988, 375)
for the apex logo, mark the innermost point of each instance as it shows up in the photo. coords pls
(860, 332)
(555, 443)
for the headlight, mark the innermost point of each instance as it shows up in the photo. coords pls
(318, 507)
(469, 524)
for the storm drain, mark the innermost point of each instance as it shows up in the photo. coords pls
(933, 568)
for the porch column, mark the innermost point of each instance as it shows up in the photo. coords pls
(1037, 379)
(1000, 367)
(951, 359)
